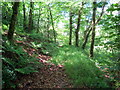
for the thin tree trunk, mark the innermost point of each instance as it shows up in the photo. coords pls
(70, 35)
(38, 20)
(13, 21)
(24, 15)
(87, 28)
(90, 28)
(48, 25)
(54, 33)
(93, 29)
(30, 25)
(86, 38)
(78, 26)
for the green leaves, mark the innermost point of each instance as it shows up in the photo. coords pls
(4, 27)
(16, 61)
(80, 68)
(114, 7)
(26, 70)
(9, 62)
(100, 4)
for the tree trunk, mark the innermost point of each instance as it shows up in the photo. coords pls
(78, 26)
(24, 15)
(38, 20)
(70, 35)
(13, 21)
(54, 33)
(93, 29)
(87, 27)
(86, 38)
(30, 25)
(90, 28)
(48, 26)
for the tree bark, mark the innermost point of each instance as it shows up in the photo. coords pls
(90, 28)
(86, 38)
(86, 28)
(70, 21)
(13, 21)
(39, 19)
(54, 33)
(48, 26)
(24, 15)
(78, 27)
(93, 29)
(30, 25)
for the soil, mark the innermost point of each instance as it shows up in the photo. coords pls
(48, 76)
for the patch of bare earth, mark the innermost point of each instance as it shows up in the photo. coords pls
(51, 76)
(48, 76)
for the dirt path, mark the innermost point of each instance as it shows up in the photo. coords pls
(49, 76)
(46, 78)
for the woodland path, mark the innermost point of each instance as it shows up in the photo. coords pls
(48, 76)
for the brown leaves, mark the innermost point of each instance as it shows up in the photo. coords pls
(49, 76)
(53, 77)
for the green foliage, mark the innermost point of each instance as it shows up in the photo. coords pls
(15, 63)
(6, 12)
(4, 27)
(85, 71)
(43, 44)
(26, 70)
(110, 32)
(110, 61)
(48, 48)
(100, 4)
(82, 70)
(36, 36)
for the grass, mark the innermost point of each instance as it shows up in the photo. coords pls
(80, 68)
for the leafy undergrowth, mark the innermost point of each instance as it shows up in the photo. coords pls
(67, 68)
(84, 71)
(16, 63)
(26, 72)
(48, 76)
